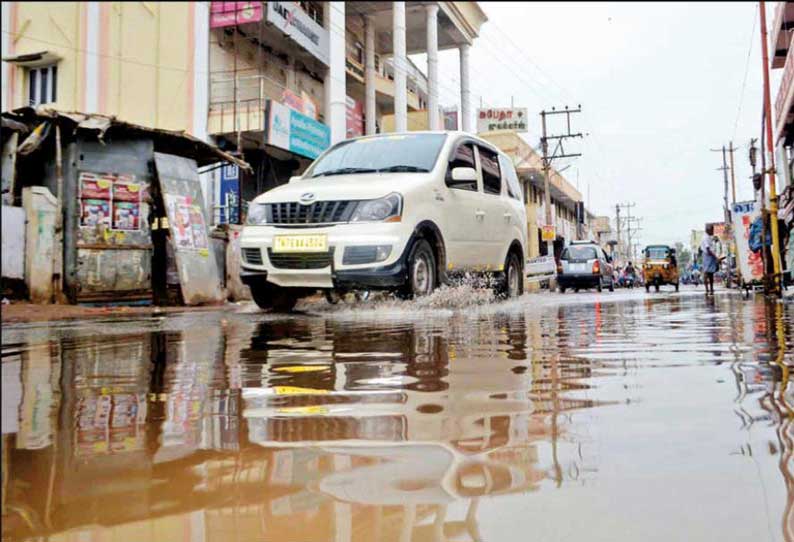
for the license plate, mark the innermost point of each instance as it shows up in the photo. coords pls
(300, 243)
(578, 267)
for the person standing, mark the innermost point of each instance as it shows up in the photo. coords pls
(710, 259)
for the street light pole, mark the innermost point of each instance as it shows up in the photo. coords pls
(546, 191)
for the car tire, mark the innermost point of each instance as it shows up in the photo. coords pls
(422, 270)
(512, 283)
(273, 298)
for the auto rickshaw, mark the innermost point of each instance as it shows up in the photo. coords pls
(660, 267)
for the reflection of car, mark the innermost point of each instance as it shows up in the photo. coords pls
(660, 267)
(584, 264)
(391, 211)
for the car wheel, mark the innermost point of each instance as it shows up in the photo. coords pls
(274, 298)
(511, 284)
(422, 274)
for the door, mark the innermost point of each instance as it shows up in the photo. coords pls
(464, 216)
(498, 216)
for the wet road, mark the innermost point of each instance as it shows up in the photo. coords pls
(608, 417)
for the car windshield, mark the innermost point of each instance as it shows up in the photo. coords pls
(656, 253)
(579, 253)
(387, 153)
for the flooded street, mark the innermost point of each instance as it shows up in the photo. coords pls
(622, 416)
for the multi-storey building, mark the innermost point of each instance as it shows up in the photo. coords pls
(276, 81)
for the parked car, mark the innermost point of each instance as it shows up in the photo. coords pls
(584, 264)
(399, 212)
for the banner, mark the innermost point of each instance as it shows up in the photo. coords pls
(354, 117)
(548, 233)
(750, 264)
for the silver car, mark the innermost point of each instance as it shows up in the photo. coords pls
(584, 264)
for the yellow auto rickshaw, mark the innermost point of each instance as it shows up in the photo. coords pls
(660, 267)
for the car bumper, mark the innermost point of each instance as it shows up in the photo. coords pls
(578, 281)
(388, 273)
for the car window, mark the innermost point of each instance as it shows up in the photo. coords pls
(509, 172)
(463, 156)
(582, 252)
(491, 176)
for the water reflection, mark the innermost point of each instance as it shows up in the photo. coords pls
(320, 429)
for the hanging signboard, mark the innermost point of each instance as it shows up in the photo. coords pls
(298, 25)
(548, 233)
(750, 263)
(287, 129)
(502, 118)
(234, 13)
(229, 196)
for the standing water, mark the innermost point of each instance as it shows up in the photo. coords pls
(597, 417)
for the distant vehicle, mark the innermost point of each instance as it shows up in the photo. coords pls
(394, 212)
(584, 264)
(660, 267)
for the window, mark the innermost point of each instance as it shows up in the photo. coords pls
(491, 176)
(42, 85)
(463, 156)
(513, 186)
(579, 253)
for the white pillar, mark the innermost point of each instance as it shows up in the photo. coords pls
(369, 75)
(335, 85)
(465, 91)
(5, 19)
(432, 67)
(400, 64)
(201, 71)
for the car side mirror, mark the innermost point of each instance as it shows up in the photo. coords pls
(462, 176)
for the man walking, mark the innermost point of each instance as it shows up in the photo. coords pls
(710, 260)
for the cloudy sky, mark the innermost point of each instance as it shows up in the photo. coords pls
(659, 84)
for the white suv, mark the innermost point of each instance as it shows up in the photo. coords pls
(398, 212)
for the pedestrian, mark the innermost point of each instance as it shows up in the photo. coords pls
(710, 260)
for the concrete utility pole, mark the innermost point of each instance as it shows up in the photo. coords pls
(547, 160)
(731, 148)
(725, 208)
(617, 226)
(624, 250)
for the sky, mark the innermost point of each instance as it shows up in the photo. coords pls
(660, 84)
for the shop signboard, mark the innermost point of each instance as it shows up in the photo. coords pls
(290, 130)
(234, 13)
(750, 263)
(355, 118)
(501, 118)
(548, 233)
(298, 25)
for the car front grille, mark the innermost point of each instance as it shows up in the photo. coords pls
(319, 212)
(252, 256)
(300, 260)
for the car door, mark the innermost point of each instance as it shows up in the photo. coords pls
(496, 224)
(464, 216)
(514, 203)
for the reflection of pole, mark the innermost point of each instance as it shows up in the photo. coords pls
(770, 151)
(555, 386)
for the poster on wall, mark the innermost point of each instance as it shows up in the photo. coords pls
(94, 186)
(95, 212)
(126, 215)
(179, 212)
(750, 263)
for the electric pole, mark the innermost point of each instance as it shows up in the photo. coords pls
(617, 225)
(725, 207)
(547, 165)
(731, 148)
(624, 250)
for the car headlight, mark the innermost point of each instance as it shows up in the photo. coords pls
(386, 209)
(257, 214)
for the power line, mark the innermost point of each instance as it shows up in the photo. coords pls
(744, 79)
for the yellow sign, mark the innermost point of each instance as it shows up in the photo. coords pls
(295, 390)
(548, 233)
(300, 243)
(302, 368)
